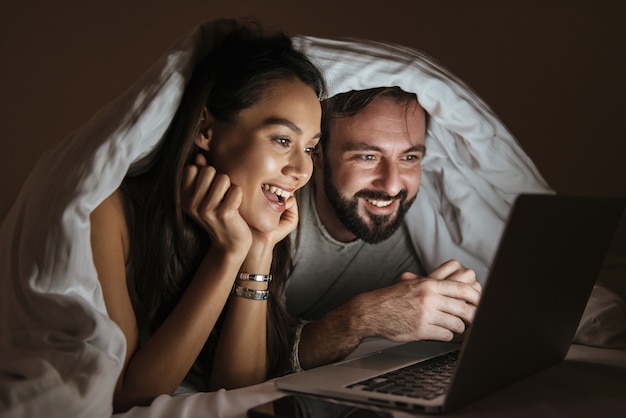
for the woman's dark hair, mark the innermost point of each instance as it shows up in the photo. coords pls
(170, 245)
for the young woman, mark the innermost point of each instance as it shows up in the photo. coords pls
(192, 255)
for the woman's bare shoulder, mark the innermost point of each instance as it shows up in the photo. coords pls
(108, 221)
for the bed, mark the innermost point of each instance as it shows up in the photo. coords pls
(61, 354)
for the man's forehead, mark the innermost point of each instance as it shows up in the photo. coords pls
(381, 119)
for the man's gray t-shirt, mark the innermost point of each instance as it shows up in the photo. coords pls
(327, 272)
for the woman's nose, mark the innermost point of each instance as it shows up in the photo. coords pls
(299, 166)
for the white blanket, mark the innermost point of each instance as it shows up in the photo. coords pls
(61, 354)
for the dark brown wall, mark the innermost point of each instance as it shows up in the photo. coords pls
(554, 71)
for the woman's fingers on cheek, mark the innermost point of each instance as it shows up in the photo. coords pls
(200, 160)
(203, 185)
(212, 193)
(291, 204)
(288, 222)
(232, 197)
(291, 211)
(220, 187)
(206, 177)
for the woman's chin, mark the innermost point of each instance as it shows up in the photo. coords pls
(264, 226)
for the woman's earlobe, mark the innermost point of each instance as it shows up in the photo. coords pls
(203, 138)
(204, 130)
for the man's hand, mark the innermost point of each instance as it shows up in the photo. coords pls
(436, 307)
(453, 270)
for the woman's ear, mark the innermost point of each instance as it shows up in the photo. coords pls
(203, 136)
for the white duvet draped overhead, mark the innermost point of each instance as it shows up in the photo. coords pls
(60, 353)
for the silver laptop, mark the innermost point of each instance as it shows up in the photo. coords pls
(549, 256)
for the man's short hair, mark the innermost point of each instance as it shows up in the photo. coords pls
(352, 102)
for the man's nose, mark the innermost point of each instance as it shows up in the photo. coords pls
(388, 178)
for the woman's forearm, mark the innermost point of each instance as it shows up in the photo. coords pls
(241, 354)
(160, 365)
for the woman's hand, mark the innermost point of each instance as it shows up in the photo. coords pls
(212, 201)
(288, 222)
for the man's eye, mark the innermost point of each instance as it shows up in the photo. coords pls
(413, 158)
(368, 157)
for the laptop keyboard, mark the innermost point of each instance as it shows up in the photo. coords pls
(425, 380)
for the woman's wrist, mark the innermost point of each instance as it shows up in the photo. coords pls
(259, 258)
(229, 259)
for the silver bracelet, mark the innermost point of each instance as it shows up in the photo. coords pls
(244, 292)
(255, 277)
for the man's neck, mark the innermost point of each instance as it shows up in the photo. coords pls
(326, 213)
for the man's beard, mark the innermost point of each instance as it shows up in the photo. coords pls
(379, 227)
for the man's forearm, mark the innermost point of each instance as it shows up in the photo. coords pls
(331, 338)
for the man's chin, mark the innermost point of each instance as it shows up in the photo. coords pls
(375, 237)
(374, 232)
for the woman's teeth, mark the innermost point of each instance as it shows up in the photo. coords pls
(380, 203)
(277, 191)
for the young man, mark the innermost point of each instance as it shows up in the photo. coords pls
(356, 273)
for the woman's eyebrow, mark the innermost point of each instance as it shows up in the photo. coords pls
(287, 123)
(284, 122)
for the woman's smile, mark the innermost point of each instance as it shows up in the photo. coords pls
(276, 196)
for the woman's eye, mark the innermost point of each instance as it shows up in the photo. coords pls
(311, 150)
(285, 142)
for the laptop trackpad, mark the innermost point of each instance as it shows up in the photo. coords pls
(378, 361)
(400, 355)
(423, 348)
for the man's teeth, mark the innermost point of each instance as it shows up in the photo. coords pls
(277, 191)
(380, 203)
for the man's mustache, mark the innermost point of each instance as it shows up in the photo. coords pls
(379, 195)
